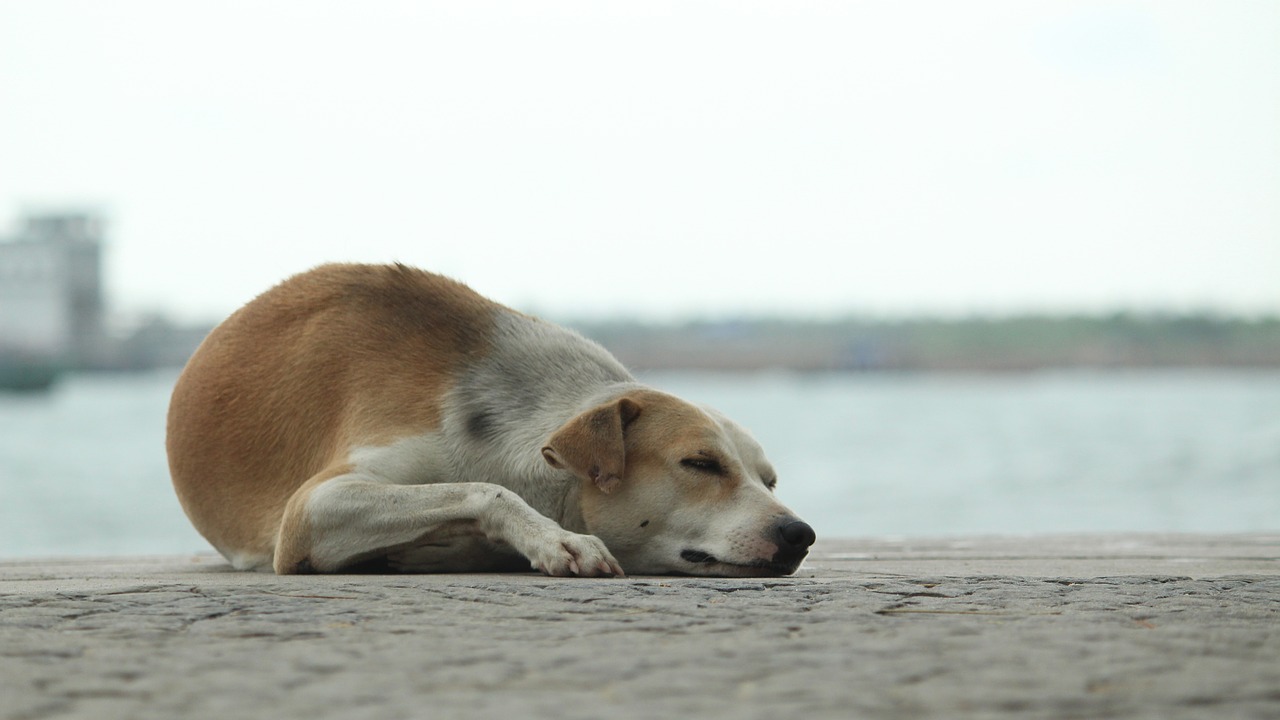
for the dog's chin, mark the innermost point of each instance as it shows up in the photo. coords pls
(696, 562)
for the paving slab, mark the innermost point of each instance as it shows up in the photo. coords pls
(1133, 626)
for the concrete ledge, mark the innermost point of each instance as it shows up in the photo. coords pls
(1042, 627)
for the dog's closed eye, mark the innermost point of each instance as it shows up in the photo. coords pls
(707, 465)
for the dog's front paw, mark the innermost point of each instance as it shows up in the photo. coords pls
(564, 553)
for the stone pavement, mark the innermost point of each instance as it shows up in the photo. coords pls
(1043, 627)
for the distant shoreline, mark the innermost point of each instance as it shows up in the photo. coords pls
(1014, 344)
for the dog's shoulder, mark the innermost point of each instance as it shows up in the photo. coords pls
(533, 367)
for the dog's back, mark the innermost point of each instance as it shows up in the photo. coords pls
(316, 365)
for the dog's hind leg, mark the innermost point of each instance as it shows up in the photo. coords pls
(336, 520)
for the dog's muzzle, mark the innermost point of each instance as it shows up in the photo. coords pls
(793, 538)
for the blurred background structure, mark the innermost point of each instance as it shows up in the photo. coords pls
(53, 307)
(51, 299)
(51, 288)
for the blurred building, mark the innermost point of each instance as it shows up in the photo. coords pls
(51, 294)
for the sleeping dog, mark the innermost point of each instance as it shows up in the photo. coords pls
(362, 416)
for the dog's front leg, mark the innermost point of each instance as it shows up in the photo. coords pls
(351, 518)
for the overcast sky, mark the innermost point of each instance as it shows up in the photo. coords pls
(659, 159)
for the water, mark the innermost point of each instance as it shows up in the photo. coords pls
(83, 472)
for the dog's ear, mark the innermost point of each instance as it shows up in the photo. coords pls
(593, 444)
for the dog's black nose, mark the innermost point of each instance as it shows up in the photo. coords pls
(796, 535)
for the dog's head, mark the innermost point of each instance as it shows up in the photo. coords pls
(674, 488)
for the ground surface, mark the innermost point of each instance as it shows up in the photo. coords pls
(1081, 627)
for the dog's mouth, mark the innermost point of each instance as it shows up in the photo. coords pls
(707, 564)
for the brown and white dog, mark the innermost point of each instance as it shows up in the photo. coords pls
(360, 415)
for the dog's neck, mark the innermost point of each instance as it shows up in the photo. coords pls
(508, 406)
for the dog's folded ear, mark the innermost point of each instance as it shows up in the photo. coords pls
(593, 444)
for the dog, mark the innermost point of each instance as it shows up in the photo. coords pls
(359, 416)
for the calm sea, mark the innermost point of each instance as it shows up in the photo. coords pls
(82, 470)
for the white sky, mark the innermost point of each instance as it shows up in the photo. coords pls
(662, 159)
